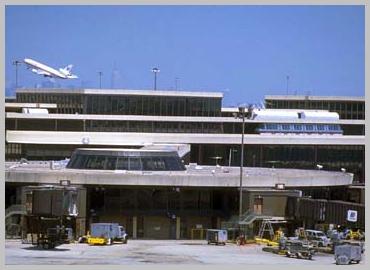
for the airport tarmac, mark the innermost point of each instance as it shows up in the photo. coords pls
(152, 252)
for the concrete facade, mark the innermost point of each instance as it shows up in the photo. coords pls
(133, 138)
(200, 176)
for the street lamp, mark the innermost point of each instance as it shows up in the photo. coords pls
(155, 71)
(230, 155)
(100, 75)
(241, 114)
(16, 63)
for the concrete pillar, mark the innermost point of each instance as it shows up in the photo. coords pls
(218, 222)
(200, 154)
(134, 227)
(81, 226)
(82, 207)
(178, 222)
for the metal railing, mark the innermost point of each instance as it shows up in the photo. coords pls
(15, 209)
(247, 218)
(13, 230)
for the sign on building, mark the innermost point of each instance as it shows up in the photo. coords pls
(352, 215)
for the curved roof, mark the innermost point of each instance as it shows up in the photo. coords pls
(283, 115)
(123, 152)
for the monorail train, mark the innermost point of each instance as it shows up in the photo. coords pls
(296, 122)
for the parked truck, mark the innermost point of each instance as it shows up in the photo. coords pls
(106, 234)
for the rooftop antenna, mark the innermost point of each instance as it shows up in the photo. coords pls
(100, 75)
(114, 76)
(176, 82)
(287, 84)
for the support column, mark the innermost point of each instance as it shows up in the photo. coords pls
(218, 223)
(178, 222)
(82, 206)
(200, 154)
(134, 227)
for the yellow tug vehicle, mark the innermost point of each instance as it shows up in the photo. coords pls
(106, 234)
(273, 242)
(98, 241)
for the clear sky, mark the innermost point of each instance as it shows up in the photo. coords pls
(244, 51)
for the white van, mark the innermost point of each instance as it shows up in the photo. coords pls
(318, 238)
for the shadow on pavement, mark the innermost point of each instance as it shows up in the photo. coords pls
(41, 249)
(194, 244)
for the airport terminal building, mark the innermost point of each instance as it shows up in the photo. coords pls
(165, 163)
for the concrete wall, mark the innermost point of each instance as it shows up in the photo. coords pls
(133, 138)
(206, 176)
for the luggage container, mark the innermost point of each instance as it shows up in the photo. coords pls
(346, 254)
(50, 214)
(218, 237)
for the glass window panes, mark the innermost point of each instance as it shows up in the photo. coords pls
(134, 164)
(122, 163)
(309, 127)
(110, 163)
(320, 127)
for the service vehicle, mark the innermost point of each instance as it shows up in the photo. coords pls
(299, 249)
(318, 238)
(106, 234)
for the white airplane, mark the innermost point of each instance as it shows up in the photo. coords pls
(46, 71)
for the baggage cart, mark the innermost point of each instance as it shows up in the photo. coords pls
(299, 249)
(346, 254)
(218, 237)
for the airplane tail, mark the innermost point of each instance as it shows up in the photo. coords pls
(68, 68)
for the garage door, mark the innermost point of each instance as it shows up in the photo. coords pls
(156, 227)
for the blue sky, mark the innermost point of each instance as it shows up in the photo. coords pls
(244, 51)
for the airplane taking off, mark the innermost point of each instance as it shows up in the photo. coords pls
(46, 71)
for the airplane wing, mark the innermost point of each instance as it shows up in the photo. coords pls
(41, 72)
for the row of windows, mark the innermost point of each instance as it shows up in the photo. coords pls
(151, 105)
(346, 110)
(300, 128)
(162, 127)
(127, 105)
(100, 162)
(151, 126)
(66, 103)
(13, 149)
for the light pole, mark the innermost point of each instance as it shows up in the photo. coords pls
(16, 63)
(230, 155)
(100, 75)
(241, 115)
(155, 71)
